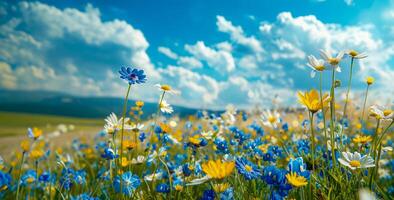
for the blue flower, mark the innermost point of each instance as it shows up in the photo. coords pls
(208, 195)
(130, 182)
(45, 177)
(163, 188)
(5, 181)
(298, 166)
(248, 169)
(84, 196)
(109, 154)
(29, 177)
(80, 177)
(133, 76)
(228, 194)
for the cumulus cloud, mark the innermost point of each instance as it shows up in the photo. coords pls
(166, 51)
(48, 48)
(218, 59)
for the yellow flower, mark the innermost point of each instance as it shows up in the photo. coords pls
(312, 100)
(295, 180)
(129, 145)
(218, 169)
(221, 187)
(35, 133)
(165, 128)
(178, 187)
(369, 80)
(139, 103)
(36, 154)
(124, 162)
(25, 145)
(362, 139)
(165, 87)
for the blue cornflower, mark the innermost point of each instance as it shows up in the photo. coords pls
(131, 75)
(5, 181)
(29, 177)
(109, 154)
(248, 169)
(130, 182)
(80, 177)
(84, 196)
(45, 177)
(142, 136)
(227, 194)
(208, 195)
(163, 188)
(298, 166)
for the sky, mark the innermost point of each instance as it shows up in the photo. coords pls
(216, 53)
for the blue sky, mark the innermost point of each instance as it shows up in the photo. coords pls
(214, 52)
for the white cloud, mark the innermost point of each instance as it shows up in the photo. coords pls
(196, 89)
(237, 34)
(45, 47)
(189, 62)
(7, 78)
(218, 59)
(168, 52)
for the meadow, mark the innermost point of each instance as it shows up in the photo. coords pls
(329, 149)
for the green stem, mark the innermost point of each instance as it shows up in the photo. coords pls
(312, 141)
(365, 102)
(19, 176)
(384, 132)
(332, 108)
(324, 114)
(348, 87)
(122, 131)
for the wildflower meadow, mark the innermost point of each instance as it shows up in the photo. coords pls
(327, 149)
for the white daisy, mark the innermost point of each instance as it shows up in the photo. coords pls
(270, 119)
(381, 112)
(356, 55)
(114, 124)
(355, 160)
(198, 181)
(207, 134)
(166, 107)
(137, 127)
(139, 160)
(333, 61)
(167, 89)
(315, 64)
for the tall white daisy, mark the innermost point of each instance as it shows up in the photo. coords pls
(356, 161)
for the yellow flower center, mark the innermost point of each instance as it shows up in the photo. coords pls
(178, 187)
(295, 180)
(30, 180)
(387, 112)
(353, 53)
(272, 119)
(166, 87)
(370, 80)
(320, 68)
(248, 168)
(334, 61)
(355, 163)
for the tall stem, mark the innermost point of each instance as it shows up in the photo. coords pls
(312, 141)
(348, 87)
(332, 108)
(122, 131)
(323, 112)
(19, 176)
(365, 102)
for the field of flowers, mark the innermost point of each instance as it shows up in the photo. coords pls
(330, 150)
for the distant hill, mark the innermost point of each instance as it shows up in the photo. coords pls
(55, 103)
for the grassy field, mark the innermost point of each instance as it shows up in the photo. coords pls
(16, 123)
